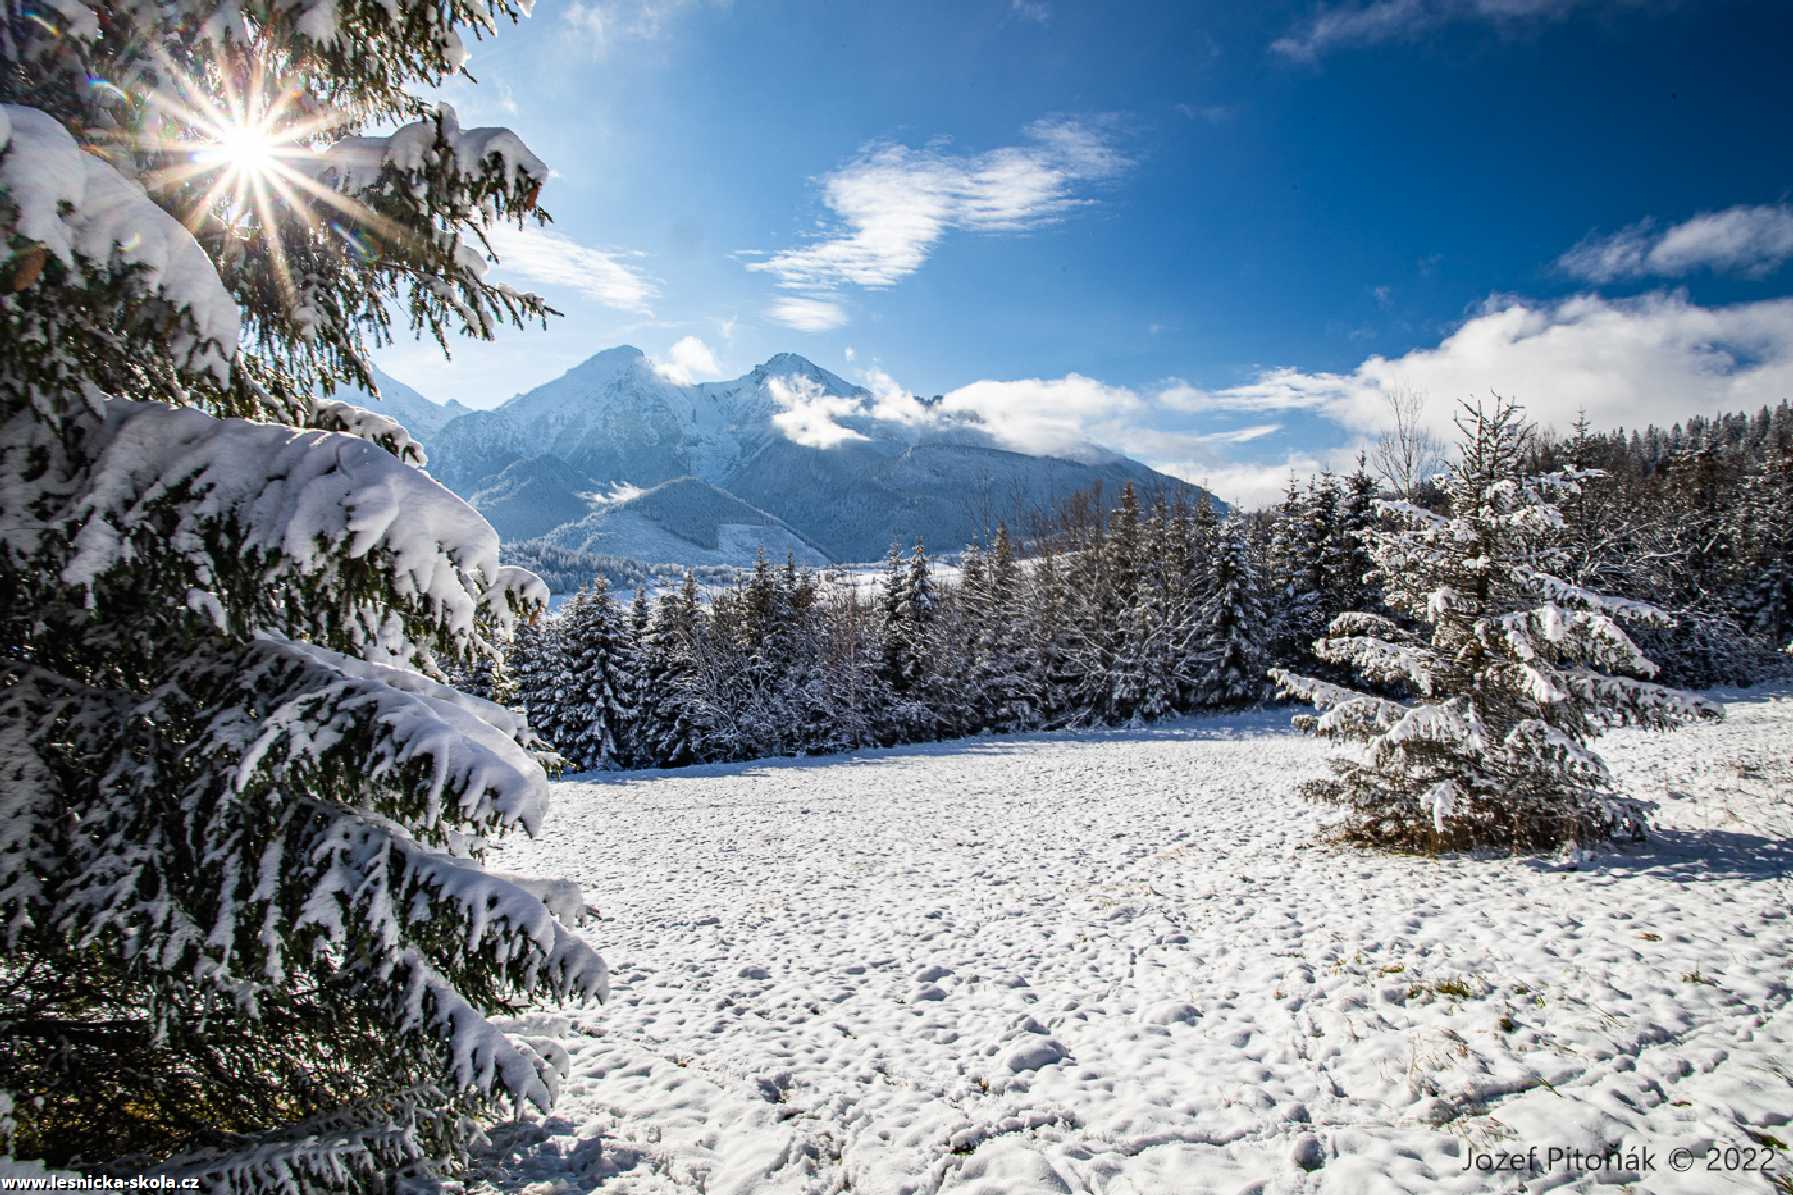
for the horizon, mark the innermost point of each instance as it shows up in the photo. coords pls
(1210, 240)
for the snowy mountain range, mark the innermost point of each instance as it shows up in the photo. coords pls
(615, 458)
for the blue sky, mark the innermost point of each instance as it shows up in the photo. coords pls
(1209, 235)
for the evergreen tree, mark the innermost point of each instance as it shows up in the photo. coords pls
(534, 660)
(597, 682)
(1119, 631)
(242, 915)
(1228, 662)
(1323, 558)
(670, 722)
(910, 612)
(963, 705)
(1768, 594)
(1052, 674)
(1004, 678)
(1294, 602)
(1517, 671)
(897, 666)
(1354, 587)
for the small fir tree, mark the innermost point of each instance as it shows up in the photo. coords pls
(1515, 672)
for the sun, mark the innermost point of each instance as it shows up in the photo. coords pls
(241, 149)
(250, 151)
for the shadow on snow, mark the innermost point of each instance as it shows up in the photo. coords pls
(1234, 725)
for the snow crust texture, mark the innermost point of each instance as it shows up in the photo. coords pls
(1125, 962)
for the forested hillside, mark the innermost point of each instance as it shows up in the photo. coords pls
(1099, 616)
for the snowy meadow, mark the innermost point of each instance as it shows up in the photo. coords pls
(1127, 961)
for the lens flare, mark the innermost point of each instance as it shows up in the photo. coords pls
(248, 151)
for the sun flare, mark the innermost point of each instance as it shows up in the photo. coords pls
(247, 150)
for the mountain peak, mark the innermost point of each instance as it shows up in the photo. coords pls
(623, 356)
(787, 363)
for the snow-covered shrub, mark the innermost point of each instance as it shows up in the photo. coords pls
(244, 933)
(1515, 672)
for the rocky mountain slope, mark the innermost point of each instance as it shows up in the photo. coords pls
(789, 455)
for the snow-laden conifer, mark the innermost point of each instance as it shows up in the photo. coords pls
(1227, 657)
(1004, 680)
(671, 720)
(245, 937)
(597, 681)
(1515, 670)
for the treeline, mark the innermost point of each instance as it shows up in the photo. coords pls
(566, 570)
(1152, 608)
(1697, 518)
(1127, 615)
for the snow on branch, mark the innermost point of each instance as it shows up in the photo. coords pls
(490, 159)
(337, 416)
(242, 506)
(472, 749)
(1576, 597)
(1410, 512)
(1455, 724)
(73, 207)
(1551, 633)
(1349, 711)
(1628, 702)
(1379, 660)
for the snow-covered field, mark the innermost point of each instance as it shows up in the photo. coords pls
(1122, 962)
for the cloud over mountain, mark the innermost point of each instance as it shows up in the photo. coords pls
(894, 203)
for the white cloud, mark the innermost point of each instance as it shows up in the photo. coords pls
(893, 403)
(1053, 416)
(728, 326)
(1392, 20)
(808, 315)
(689, 360)
(1654, 359)
(1031, 10)
(894, 203)
(1272, 390)
(555, 260)
(1658, 358)
(1251, 486)
(1626, 363)
(600, 24)
(808, 416)
(1752, 240)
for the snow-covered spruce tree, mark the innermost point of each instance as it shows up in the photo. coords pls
(909, 608)
(1768, 594)
(1355, 586)
(1053, 643)
(1004, 677)
(598, 669)
(1294, 604)
(1516, 672)
(244, 933)
(1226, 665)
(670, 733)
(534, 663)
